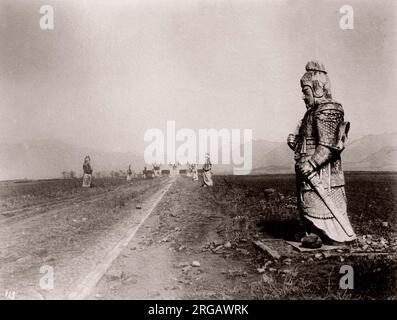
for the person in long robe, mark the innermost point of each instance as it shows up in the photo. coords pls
(87, 169)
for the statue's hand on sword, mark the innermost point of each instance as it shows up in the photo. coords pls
(291, 141)
(305, 168)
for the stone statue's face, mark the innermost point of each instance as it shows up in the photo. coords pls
(308, 97)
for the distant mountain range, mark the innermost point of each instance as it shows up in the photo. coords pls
(369, 153)
(49, 158)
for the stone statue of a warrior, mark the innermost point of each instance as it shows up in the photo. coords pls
(317, 143)
(207, 174)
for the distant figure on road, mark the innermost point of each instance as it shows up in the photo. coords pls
(317, 144)
(87, 177)
(207, 174)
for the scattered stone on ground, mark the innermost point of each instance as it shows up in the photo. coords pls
(227, 245)
(195, 263)
(274, 254)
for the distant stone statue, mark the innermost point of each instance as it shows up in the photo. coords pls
(207, 174)
(317, 144)
(189, 170)
(156, 170)
(144, 172)
(87, 177)
(129, 173)
(194, 172)
(173, 169)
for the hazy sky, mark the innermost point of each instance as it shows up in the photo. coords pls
(112, 69)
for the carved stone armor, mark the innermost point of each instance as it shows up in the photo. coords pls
(317, 142)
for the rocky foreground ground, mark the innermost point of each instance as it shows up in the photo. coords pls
(201, 243)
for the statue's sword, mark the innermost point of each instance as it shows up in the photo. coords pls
(315, 182)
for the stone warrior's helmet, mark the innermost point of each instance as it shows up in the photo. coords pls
(317, 79)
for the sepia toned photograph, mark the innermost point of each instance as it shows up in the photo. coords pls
(217, 150)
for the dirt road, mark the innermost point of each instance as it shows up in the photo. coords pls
(135, 241)
(180, 253)
(70, 238)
